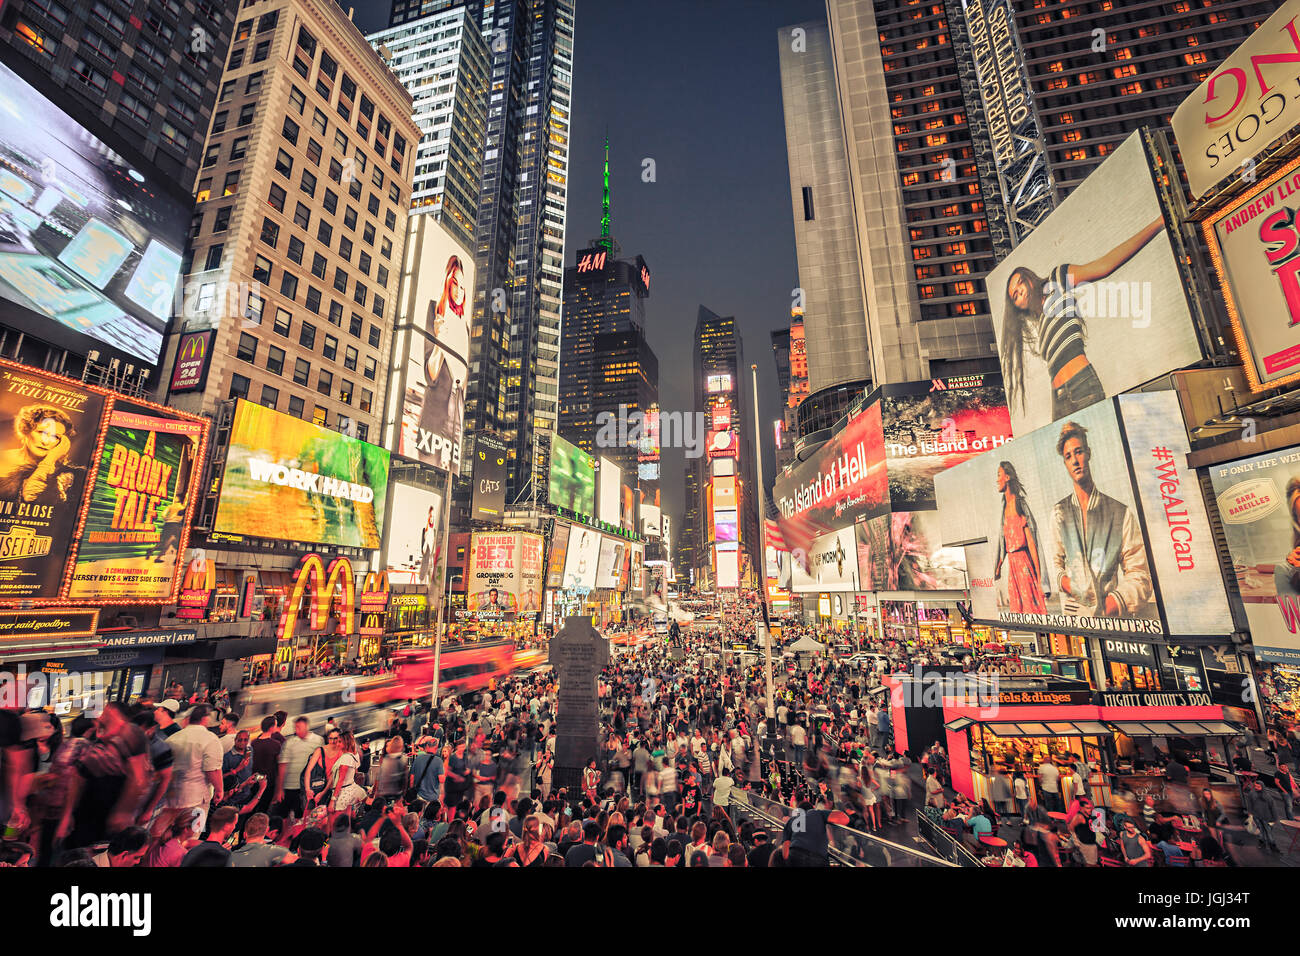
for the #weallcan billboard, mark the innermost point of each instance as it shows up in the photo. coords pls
(137, 513)
(1091, 303)
(290, 480)
(48, 432)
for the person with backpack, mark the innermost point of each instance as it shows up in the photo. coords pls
(426, 770)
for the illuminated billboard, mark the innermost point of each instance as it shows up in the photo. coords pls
(728, 569)
(290, 480)
(1254, 241)
(86, 241)
(433, 332)
(726, 526)
(572, 481)
(902, 551)
(829, 565)
(488, 476)
(136, 524)
(610, 562)
(720, 415)
(48, 432)
(582, 558)
(724, 492)
(504, 574)
(559, 549)
(718, 383)
(1091, 303)
(609, 481)
(414, 536)
(723, 445)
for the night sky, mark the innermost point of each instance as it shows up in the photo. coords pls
(693, 85)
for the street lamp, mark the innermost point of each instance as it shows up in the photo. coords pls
(762, 578)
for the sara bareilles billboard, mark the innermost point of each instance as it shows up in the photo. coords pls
(294, 481)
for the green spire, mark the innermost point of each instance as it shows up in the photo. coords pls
(606, 239)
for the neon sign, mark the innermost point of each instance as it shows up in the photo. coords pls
(312, 572)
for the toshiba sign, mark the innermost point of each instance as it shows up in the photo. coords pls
(1244, 106)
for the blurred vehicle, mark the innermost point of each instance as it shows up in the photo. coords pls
(464, 669)
(345, 698)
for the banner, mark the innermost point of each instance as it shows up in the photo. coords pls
(504, 574)
(193, 359)
(583, 556)
(48, 428)
(829, 565)
(291, 480)
(414, 536)
(559, 549)
(137, 516)
(1259, 505)
(1254, 242)
(610, 562)
(489, 477)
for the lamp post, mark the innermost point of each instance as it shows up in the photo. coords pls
(442, 593)
(762, 578)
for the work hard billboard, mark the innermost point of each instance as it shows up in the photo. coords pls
(844, 480)
(48, 431)
(1091, 303)
(1244, 106)
(829, 565)
(433, 332)
(1259, 505)
(136, 524)
(1139, 547)
(572, 481)
(931, 426)
(504, 573)
(1254, 242)
(294, 481)
(414, 536)
(902, 551)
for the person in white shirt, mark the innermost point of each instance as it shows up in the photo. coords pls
(1049, 784)
(722, 790)
(196, 773)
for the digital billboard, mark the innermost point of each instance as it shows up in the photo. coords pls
(650, 516)
(582, 558)
(628, 517)
(718, 383)
(930, 426)
(728, 571)
(1108, 575)
(844, 480)
(48, 431)
(610, 562)
(504, 574)
(414, 536)
(723, 445)
(1254, 242)
(288, 479)
(136, 524)
(829, 565)
(572, 477)
(903, 551)
(559, 549)
(433, 330)
(1259, 505)
(609, 481)
(86, 241)
(488, 476)
(1091, 303)
(726, 526)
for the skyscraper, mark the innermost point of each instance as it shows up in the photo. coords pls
(514, 374)
(442, 60)
(791, 355)
(830, 274)
(922, 236)
(608, 367)
(298, 236)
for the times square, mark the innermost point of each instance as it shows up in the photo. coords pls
(365, 503)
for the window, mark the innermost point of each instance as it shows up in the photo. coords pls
(320, 417)
(340, 280)
(295, 406)
(336, 314)
(204, 192)
(381, 275)
(324, 232)
(227, 90)
(336, 171)
(222, 221)
(218, 121)
(308, 184)
(301, 372)
(231, 184)
(346, 389)
(243, 30)
(298, 100)
(354, 188)
(331, 201)
(238, 387)
(331, 348)
(319, 123)
(318, 264)
(313, 299)
(374, 337)
(313, 151)
(247, 351)
(390, 219)
(307, 336)
(290, 131)
(359, 294)
(368, 234)
(377, 178)
(262, 269)
(261, 52)
(302, 216)
(283, 322)
(395, 194)
(238, 148)
(350, 218)
(372, 205)
(350, 357)
(276, 197)
(270, 230)
(275, 360)
(213, 259)
(253, 310)
(254, 83)
(355, 325)
(135, 108)
(345, 248)
(270, 396)
(296, 250)
(367, 399)
(377, 305)
(246, 114)
(370, 368)
(340, 142)
(289, 285)
(325, 382)
(386, 248)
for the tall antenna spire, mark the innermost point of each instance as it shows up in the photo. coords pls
(606, 239)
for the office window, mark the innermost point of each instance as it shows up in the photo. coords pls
(296, 250)
(350, 356)
(325, 232)
(807, 203)
(390, 219)
(386, 248)
(350, 218)
(308, 184)
(340, 142)
(253, 309)
(377, 305)
(295, 406)
(336, 171)
(367, 399)
(368, 234)
(270, 230)
(354, 188)
(331, 201)
(320, 417)
(359, 294)
(290, 131)
(370, 368)
(239, 147)
(372, 205)
(377, 178)
(345, 248)
(331, 348)
(319, 123)
(270, 396)
(238, 387)
(395, 194)
(218, 121)
(253, 83)
(231, 185)
(222, 220)
(325, 382)
(340, 280)
(313, 299)
(355, 325)
(336, 314)
(318, 265)
(276, 197)
(246, 114)
(247, 350)
(204, 192)
(346, 389)
(227, 90)
(313, 151)
(289, 285)
(213, 259)
(275, 360)
(302, 216)
(298, 100)
(262, 269)
(261, 52)
(283, 322)
(374, 337)
(284, 164)
(307, 336)
(381, 275)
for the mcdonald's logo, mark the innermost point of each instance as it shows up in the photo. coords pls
(312, 572)
(372, 624)
(374, 592)
(190, 371)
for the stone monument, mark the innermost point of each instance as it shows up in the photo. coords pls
(578, 653)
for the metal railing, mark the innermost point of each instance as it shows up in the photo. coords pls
(947, 845)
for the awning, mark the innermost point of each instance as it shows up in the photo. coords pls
(1178, 728)
(961, 723)
(1057, 728)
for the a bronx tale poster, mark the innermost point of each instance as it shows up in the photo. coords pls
(48, 428)
(135, 528)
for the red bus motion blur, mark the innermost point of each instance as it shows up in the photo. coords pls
(464, 670)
